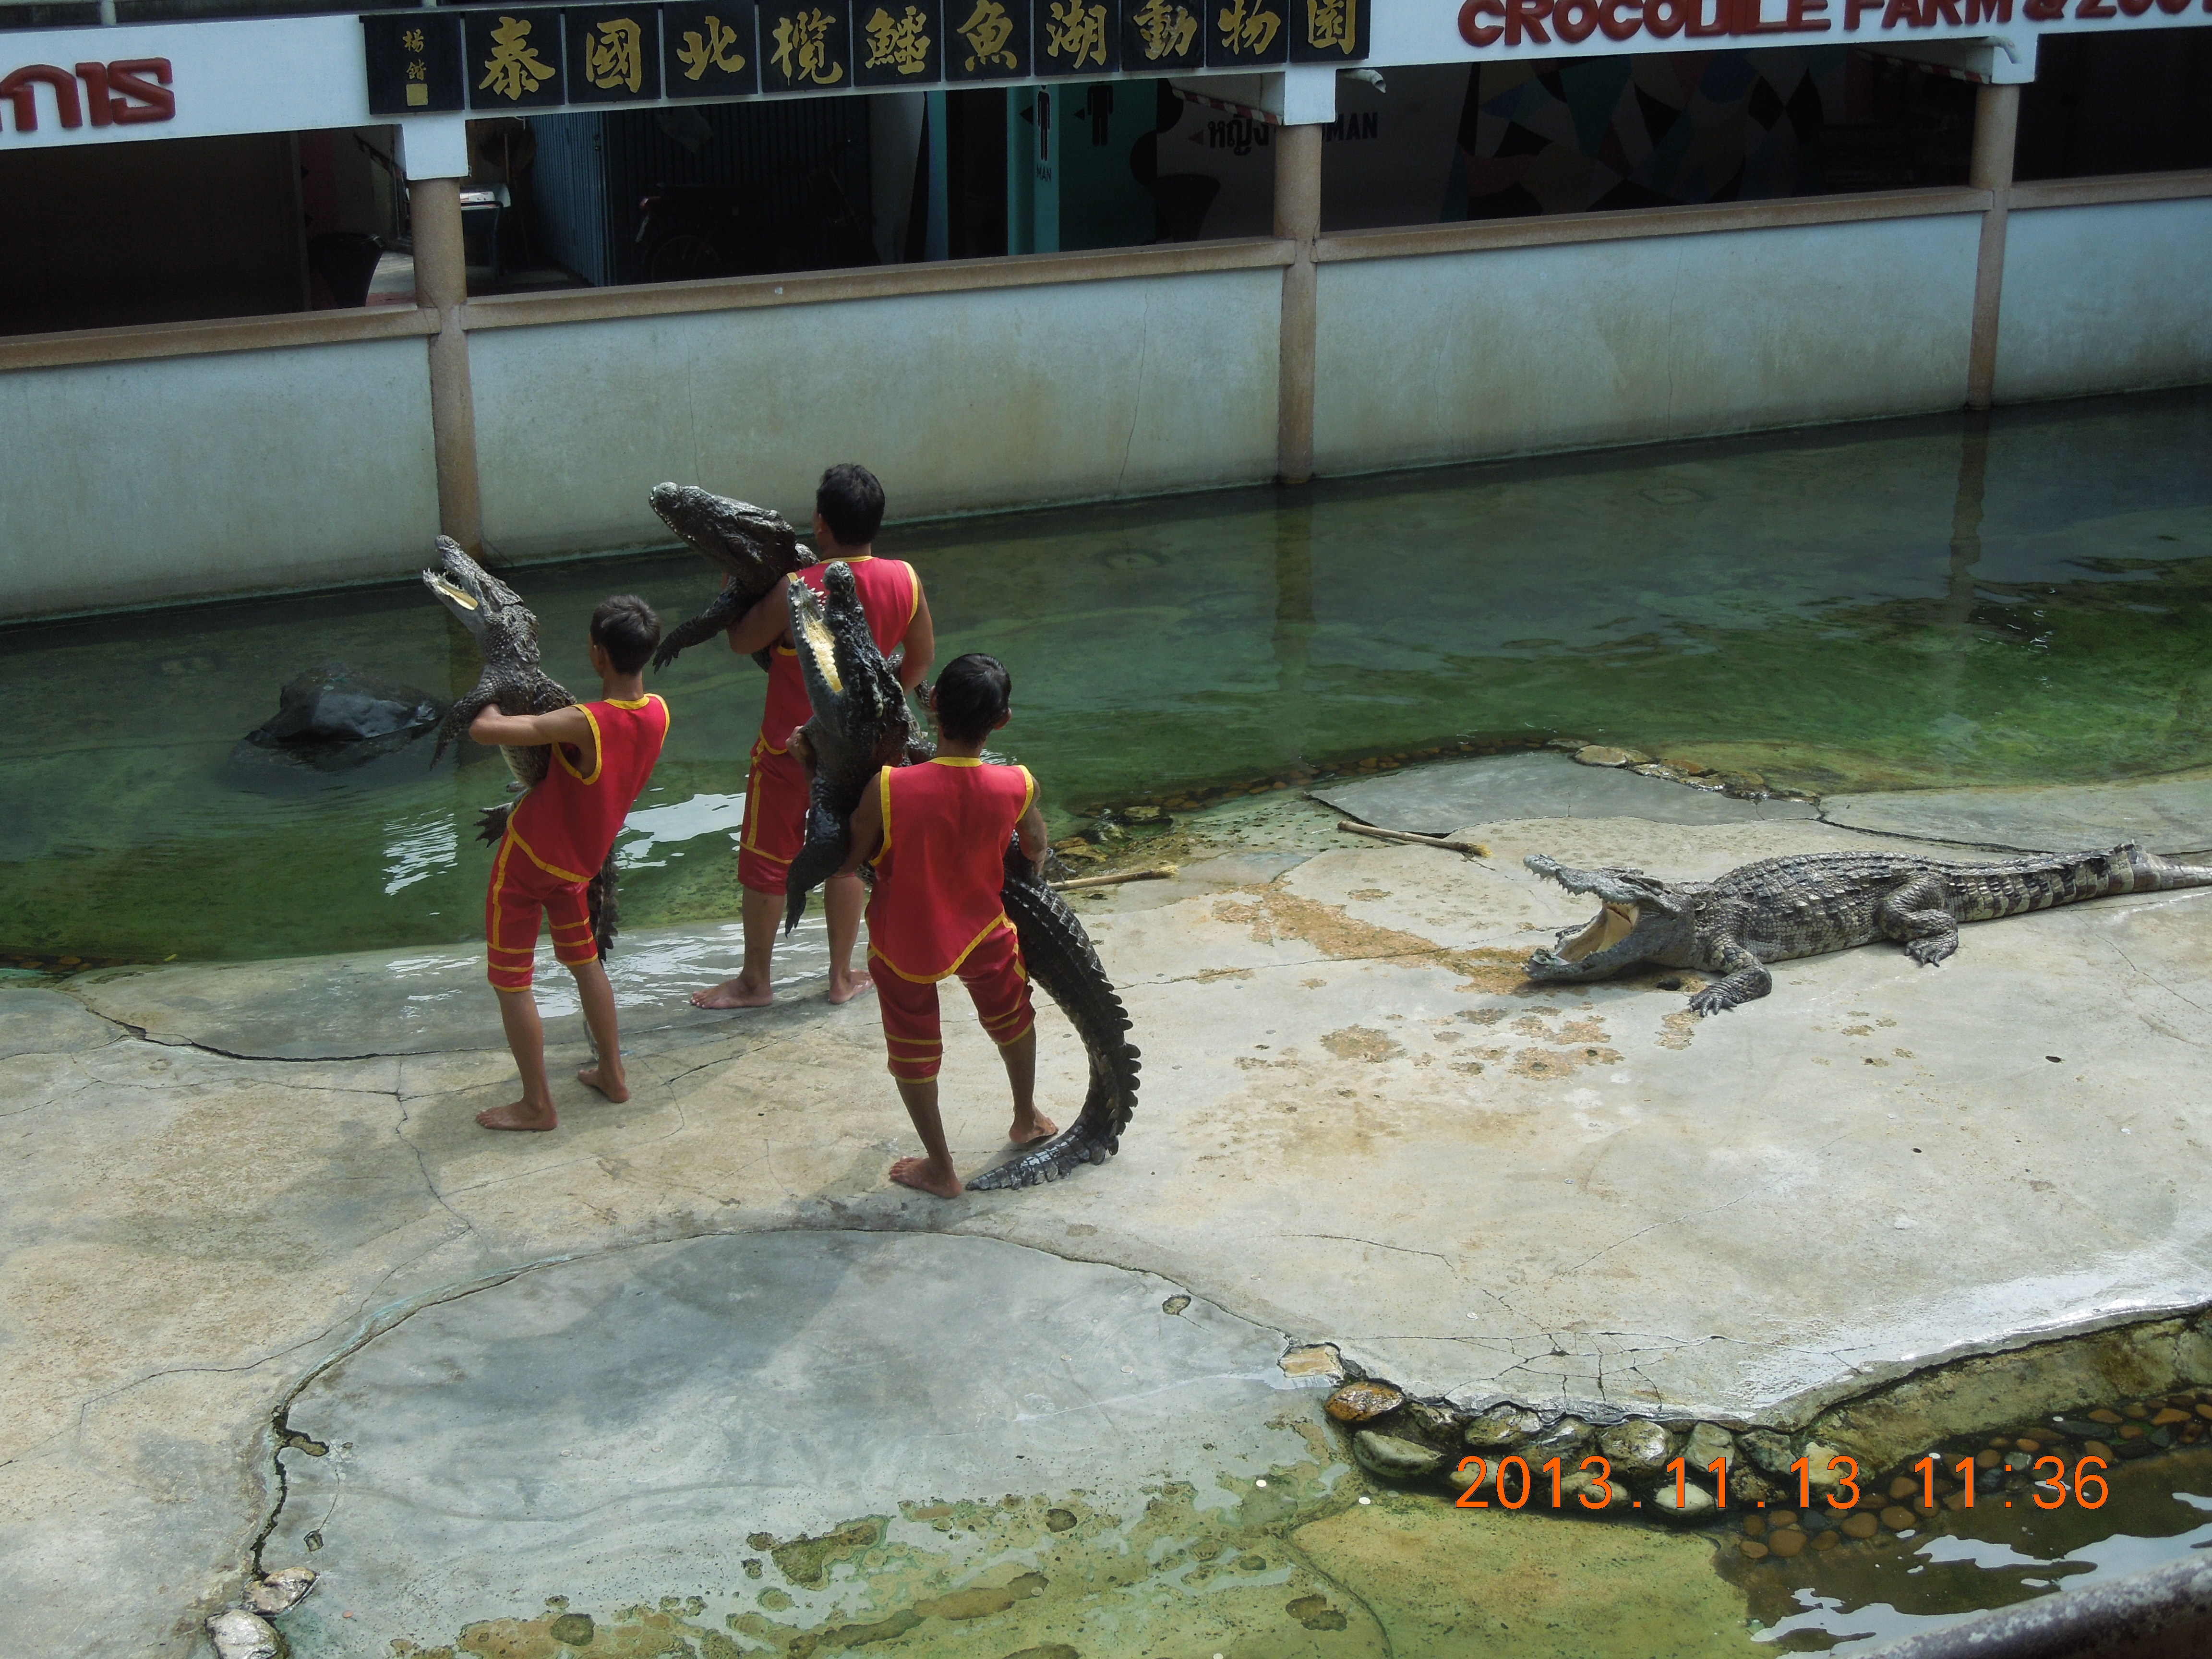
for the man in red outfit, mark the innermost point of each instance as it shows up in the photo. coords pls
(848, 510)
(936, 835)
(558, 837)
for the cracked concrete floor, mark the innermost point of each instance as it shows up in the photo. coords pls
(1358, 1126)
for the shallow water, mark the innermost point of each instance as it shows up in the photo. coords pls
(1315, 1560)
(1937, 601)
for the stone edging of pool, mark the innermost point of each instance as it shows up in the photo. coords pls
(2124, 1393)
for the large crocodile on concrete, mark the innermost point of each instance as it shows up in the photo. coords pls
(861, 723)
(1810, 903)
(506, 632)
(754, 549)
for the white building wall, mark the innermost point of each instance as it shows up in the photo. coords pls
(127, 483)
(958, 402)
(2112, 297)
(1446, 356)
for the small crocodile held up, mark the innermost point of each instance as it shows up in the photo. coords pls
(506, 632)
(1811, 904)
(753, 547)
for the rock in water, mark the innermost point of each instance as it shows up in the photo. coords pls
(1502, 1425)
(1394, 1458)
(241, 1635)
(1363, 1401)
(280, 1591)
(1693, 1503)
(1636, 1447)
(1709, 1441)
(1767, 1450)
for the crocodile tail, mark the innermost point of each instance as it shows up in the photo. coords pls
(605, 912)
(1060, 957)
(2165, 873)
(821, 857)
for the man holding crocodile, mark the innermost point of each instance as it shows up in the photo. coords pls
(848, 510)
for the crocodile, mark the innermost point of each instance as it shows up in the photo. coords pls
(506, 632)
(754, 548)
(862, 722)
(1810, 903)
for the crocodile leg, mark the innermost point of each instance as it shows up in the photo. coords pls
(1917, 917)
(1746, 979)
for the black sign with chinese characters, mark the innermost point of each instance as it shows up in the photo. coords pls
(414, 63)
(1247, 33)
(1158, 36)
(514, 59)
(614, 53)
(807, 45)
(709, 49)
(898, 43)
(1330, 30)
(987, 40)
(528, 56)
(1078, 37)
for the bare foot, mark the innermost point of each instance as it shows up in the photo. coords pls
(732, 994)
(519, 1115)
(920, 1174)
(613, 1088)
(850, 987)
(1038, 1128)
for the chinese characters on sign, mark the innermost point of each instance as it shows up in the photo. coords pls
(807, 46)
(708, 49)
(1248, 31)
(1328, 31)
(1077, 36)
(991, 40)
(428, 62)
(1161, 34)
(515, 62)
(414, 63)
(614, 53)
(901, 43)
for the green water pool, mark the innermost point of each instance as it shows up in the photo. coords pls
(1931, 602)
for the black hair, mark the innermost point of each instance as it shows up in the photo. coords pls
(626, 629)
(971, 693)
(851, 503)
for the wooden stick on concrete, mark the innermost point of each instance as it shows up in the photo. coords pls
(1159, 874)
(1474, 849)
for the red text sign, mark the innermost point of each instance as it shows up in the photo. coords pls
(122, 94)
(1487, 22)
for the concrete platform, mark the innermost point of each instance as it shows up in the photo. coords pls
(1358, 1126)
(1543, 784)
(2171, 815)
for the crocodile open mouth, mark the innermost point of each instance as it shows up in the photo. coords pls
(1612, 924)
(446, 591)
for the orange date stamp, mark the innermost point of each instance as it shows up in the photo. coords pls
(1594, 1483)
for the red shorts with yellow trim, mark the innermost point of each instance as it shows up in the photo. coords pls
(519, 893)
(775, 820)
(997, 981)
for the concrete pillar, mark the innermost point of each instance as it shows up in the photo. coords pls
(1298, 217)
(1997, 120)
(441, 284)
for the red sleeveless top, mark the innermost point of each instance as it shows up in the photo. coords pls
(890, 593)
(566, 824)
(946, 824)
